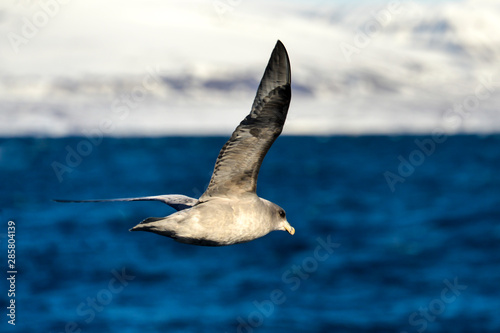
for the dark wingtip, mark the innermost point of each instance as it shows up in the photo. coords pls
(73, 201)
(281, 53)
(279, 45)
(61, 200)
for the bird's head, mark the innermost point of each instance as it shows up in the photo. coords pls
(280, 220)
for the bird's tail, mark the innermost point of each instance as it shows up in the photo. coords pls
(145, 225)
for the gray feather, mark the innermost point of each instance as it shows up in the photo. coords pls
(176, 201)
(238, 164)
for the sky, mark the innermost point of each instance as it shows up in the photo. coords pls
(64, 63)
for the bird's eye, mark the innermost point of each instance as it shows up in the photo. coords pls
(282, 214)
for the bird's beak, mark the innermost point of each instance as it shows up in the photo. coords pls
(289, 228)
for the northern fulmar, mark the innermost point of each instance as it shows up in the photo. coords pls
(230, 212)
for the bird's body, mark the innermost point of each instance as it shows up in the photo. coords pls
(230, 212)
(216, 222)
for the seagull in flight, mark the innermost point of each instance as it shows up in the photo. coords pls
(230, 212)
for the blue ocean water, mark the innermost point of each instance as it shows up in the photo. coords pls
(393, 234)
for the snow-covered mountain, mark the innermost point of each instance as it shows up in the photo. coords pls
(192, 67)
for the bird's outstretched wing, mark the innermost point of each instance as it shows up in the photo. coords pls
(239, 160)
(176, 201)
